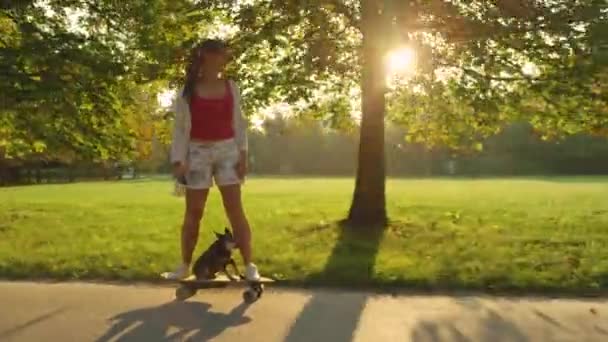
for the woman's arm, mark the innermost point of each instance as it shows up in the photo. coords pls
(238, 120)
(179, 144)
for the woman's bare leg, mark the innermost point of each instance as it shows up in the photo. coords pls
(195, 206)
(231, 198)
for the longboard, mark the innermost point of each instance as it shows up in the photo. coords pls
(189, 286)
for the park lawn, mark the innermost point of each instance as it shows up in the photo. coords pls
(502, 234)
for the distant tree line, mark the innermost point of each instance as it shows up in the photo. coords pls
(306, 149)
(300, 147)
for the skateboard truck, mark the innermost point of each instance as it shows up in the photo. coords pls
(190, 286)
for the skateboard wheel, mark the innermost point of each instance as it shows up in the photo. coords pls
(250, 296)
(183, 292)
(260, 291)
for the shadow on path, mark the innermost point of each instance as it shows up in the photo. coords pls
(28, 324)
(490, 328)
(477, 321)
(334, 317)
(187, 318)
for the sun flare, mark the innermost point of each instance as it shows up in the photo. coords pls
(401, 61)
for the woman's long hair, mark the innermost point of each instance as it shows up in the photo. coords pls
(193, 69)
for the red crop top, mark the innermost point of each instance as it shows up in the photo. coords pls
(212, 118)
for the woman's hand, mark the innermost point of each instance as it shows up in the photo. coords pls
(241, 166)
(179, 169)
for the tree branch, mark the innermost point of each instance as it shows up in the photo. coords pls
(111, 25)
(347, 12)
(480, 75)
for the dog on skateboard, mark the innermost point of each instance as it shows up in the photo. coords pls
(216, 258)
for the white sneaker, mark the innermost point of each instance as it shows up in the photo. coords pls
(251, 272)
(182, 272)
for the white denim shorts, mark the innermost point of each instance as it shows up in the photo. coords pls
(212, 160)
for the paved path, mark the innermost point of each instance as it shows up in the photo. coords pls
(89, 312)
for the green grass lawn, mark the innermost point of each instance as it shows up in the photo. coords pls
(512, 234)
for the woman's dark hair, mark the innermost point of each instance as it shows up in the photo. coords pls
(194, 66)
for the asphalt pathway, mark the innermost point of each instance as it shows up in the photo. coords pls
(98, 312)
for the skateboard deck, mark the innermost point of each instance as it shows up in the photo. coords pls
(189, 286)
(221, 281)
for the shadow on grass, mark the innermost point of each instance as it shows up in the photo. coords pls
(335, 316)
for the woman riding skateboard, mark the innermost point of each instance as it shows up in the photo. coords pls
(210, 143)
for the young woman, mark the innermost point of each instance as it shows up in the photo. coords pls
(210, 142)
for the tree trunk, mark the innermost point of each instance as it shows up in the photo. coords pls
(3, 174)
(69, 173)
(368, 207)
(38, 174)
(28, 175)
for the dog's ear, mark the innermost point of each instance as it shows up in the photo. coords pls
(227, 232)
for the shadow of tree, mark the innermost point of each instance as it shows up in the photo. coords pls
(492, 328)
(189, 318)
(11, 332)
(335, 316)
(499, 325)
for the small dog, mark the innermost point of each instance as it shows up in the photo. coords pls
(216, 258)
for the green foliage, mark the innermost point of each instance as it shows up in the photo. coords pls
(73, 72)
(540, 61)
(69, 77)
(287, 49)
(535, 61)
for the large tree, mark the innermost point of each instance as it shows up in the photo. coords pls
(542, 61)
(481, 64)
